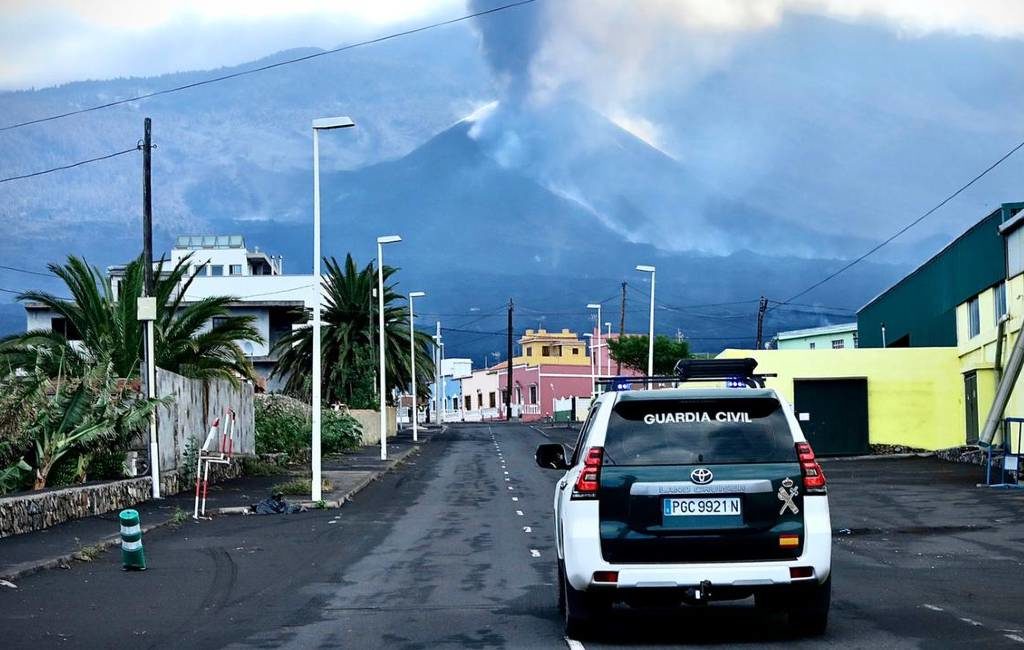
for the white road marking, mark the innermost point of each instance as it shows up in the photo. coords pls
(971, 621)
(527, 529)
(574, 644)
(534, 552)
(934, 608)
(506, 473)
(515, 498)
(519, 512)
(511, 488)
(507, 478)
(1015, 637)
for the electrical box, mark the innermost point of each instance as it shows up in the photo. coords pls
(146, 308)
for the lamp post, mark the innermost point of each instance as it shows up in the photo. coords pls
(386, 239)
(412, 362)
(593, 379)
(322, 124)
(608, 351)
(646, 268)
(597, 328)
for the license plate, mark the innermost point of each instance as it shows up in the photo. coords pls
(712, 506)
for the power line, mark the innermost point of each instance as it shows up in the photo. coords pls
(14, 268)
(909, 225)
(62, 167)
(270, 66)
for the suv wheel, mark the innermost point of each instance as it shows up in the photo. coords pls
(580, 610)
(808, 613)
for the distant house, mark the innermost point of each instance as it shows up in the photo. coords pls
(225, 267)
(829, 337)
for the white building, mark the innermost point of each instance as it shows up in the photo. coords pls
(829, 337)
(225, 267)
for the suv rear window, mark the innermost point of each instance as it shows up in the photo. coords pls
(690, 432)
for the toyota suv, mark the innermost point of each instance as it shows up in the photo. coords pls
(685, 496)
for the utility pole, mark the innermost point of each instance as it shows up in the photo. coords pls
(508, 401)
(622, 327)
(437, 373)
(148, 304)
(762, 306)
(147, 204)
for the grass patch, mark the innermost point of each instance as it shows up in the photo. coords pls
(299, 487)
(258, 467)
(87, 553)
(179, 517)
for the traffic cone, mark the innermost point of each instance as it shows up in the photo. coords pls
(132, 556)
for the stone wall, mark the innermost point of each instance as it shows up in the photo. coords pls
(29, 511)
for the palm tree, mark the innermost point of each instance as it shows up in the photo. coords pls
(107, 326)
(349, 339)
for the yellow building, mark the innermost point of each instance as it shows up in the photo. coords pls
(977, 336)
(854, 397)
(555, 348)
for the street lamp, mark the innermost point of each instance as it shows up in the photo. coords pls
(597, 306)
(608, 351)
(412, 362)
(321, 124)
(386, 239)
(646, 268)
(593, 379)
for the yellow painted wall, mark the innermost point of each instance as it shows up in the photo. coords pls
(978, 353)
(532, 342)
(915, 395)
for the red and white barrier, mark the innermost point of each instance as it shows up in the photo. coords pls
(225, 442)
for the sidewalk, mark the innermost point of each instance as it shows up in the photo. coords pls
(59, 545)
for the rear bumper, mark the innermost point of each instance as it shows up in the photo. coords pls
(582, 554)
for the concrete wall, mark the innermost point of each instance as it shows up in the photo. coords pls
(196, 405)
(915, 395)
(369, 420)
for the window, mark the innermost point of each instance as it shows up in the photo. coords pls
(490, 401)
(533, 393)
(198, 269)
(639, 433)
(479, 400)
(216, 269)
(812, 345)
(1000, 300)
(529, 351)
(469, 403)
(576, 351)
(1015, 253)
(838, 344)
(61, 326)
(545, 351)
(217, 321)
(973, 318)
(856, 340)
(236, 269)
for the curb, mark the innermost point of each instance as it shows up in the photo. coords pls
(395, 463)
(842, 459)
(64, 561)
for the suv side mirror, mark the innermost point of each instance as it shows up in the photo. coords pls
(551, 456)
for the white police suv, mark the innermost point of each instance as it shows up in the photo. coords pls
(690, 495)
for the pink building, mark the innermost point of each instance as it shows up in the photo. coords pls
(536, 387)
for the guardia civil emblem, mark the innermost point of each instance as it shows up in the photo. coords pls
(787, 492)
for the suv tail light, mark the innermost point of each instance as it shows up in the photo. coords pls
(590, 476)
(814, 477)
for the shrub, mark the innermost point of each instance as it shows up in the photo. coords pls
(339, 432)
(283, 425)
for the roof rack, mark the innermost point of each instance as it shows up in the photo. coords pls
(736, 372)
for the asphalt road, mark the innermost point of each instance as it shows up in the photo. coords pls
(453, 552)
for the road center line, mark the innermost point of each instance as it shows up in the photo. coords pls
(1015, 637)
(934, 608)
(574, 644)
(519, 512)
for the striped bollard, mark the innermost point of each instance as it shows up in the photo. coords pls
(132, 556)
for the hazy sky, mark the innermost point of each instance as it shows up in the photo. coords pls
(46, 42)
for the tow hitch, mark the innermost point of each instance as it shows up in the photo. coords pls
(701, 593)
